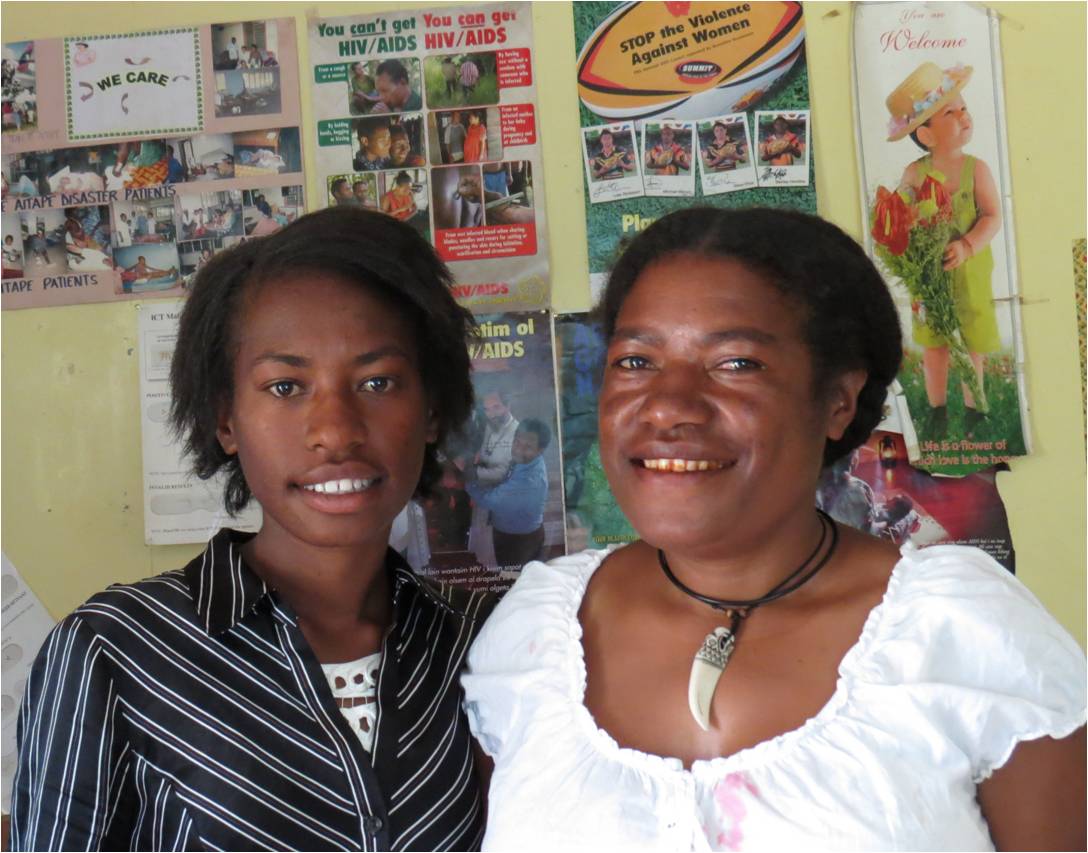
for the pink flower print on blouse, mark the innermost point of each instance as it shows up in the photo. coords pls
(728, 794)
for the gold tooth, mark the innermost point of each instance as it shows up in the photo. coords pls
(680, 466)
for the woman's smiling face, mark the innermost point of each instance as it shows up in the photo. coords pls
(329, 416)
(711, 432)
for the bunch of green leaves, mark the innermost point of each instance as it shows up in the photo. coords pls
(921, 269)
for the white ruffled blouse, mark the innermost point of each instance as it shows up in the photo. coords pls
(958, 664)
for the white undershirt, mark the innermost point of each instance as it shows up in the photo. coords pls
(354, 685)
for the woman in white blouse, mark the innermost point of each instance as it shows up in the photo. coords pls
(749, 675)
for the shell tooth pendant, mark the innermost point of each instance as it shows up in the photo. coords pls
(707, 667)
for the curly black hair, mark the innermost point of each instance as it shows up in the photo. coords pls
(850, 320)
(380, 254)
(538, 428)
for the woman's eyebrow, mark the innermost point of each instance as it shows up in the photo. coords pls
(636, 335)
(292, 360)
(738, 333)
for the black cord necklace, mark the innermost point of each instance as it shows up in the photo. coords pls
(713, 656)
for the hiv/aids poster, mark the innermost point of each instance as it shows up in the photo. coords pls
(431, 117)
(499, 501)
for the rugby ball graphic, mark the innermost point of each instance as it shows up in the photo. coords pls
(687, 60)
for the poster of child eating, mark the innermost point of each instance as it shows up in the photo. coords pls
(126, 156)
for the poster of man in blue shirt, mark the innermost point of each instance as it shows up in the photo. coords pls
(517, 503)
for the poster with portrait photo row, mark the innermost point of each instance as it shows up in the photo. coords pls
(726, 163)
(133, 164)
(499, 501)
(441, 105)
(647, 64)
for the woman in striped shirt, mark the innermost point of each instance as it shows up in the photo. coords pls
(297, 688)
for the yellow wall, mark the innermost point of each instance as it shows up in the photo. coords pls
(71, 486)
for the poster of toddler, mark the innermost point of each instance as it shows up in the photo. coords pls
(936, 194)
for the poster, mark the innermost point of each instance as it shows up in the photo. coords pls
(131, 159)
(499, 503)
(431, 117)
(26, 625)
(179, 507)
(593, 518)
(686, 104)
(936, 193)
(877, 491)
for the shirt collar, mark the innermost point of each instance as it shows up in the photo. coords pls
(225, 589)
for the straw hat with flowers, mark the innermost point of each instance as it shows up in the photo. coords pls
(918, 98)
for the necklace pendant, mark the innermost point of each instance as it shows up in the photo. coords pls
(706, 669)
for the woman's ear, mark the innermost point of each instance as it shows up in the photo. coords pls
(432, 426)
(842, 401)
(224, 431)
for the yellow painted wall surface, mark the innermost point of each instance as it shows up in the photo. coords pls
(71, 487)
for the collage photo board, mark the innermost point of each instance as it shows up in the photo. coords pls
(130, 159)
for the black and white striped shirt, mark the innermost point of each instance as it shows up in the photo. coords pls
(187, 712)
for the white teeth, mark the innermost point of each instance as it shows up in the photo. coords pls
(340, 487)
(682, 466)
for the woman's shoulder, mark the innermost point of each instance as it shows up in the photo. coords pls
(527, 660)
(961, 642)
(551, 589)
(957, 576)
(954, 617)
(117, 606)
(543, 603)
(117, 619)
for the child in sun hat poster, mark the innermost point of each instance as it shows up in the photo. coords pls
(936, 200)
